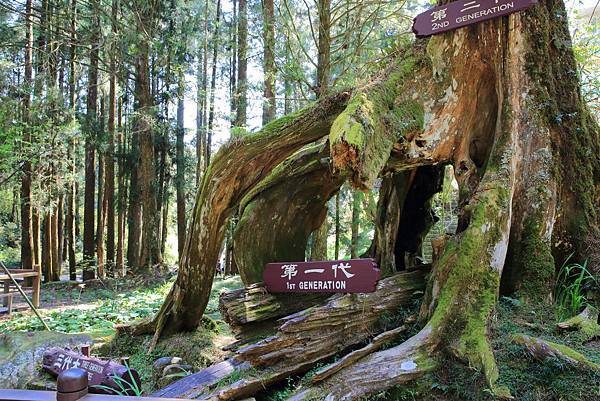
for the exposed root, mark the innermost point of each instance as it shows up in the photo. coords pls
(379, 371)
(586, 322)
(354, 356)
(542, 349)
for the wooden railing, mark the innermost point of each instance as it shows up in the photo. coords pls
(71, 385)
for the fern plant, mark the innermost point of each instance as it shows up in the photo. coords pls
(571, 285)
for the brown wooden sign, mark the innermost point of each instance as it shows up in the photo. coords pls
(100, 373)
(464, 12)
(354, 275)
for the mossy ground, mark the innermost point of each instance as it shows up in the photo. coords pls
(526, 378)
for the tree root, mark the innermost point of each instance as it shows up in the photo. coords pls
(542, 349)
(586, 322)
(354, 356)
(379, 371)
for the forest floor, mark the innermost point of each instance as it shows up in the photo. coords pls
(97, 306)
(94, 309)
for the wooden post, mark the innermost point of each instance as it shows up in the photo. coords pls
(24, 295)
(36, 284)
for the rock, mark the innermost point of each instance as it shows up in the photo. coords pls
(177, 369)
(160, 363)
(21, 357)
(174, 372)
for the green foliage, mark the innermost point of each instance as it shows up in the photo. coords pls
(108, 310)
(127, 386)
(572, 284)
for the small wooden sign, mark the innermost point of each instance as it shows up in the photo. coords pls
(464, 12)
(100, 373)
(354, 275)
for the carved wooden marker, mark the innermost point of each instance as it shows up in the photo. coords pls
(354, 275)
(464, 12)
(57, 360)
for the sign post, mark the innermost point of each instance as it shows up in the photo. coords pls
(354, 275)
(464, 12)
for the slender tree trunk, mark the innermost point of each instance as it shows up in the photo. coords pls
(269, 105)
(356, 200)
(27, 240)
(122, 140)
(101, 203)
(71, 192)
(110, 156)
(337, 226)
(47, 247)
(242, 71)
(60, 228)
(55, 270)
(89, 245)
(180, 155)
(150, 255)
(324, 47)
(319, 244)
(213, 82)
(200, 101)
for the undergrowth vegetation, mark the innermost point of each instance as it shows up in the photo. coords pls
(573, 283)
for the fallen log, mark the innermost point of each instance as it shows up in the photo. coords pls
(249, 309)
(586, 322)
(542, 349)
(307, 337)
(354, 356)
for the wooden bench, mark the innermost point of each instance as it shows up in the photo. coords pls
(10, 291)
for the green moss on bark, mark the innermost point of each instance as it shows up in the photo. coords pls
(537, 263)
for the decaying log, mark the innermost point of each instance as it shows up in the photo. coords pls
(542, 349)
(354, 356)
(586, 322)
(345, 320)
(307, 337)
(189, 386)
(244, 308)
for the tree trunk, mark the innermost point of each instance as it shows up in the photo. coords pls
(72, 190)
(355, 227)
(134, 212)
(318, 250)
(89, 245)
(122, 195)
(269, 106)
(101, 201)
(27, 246)
(323, 47)
(267, 231)
(110, 156)
(150, 255)
(222, 189)
(242, 71)
(180, 178)
(213, 82)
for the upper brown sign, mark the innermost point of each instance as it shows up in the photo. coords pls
(464, 12)
(354, 275)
